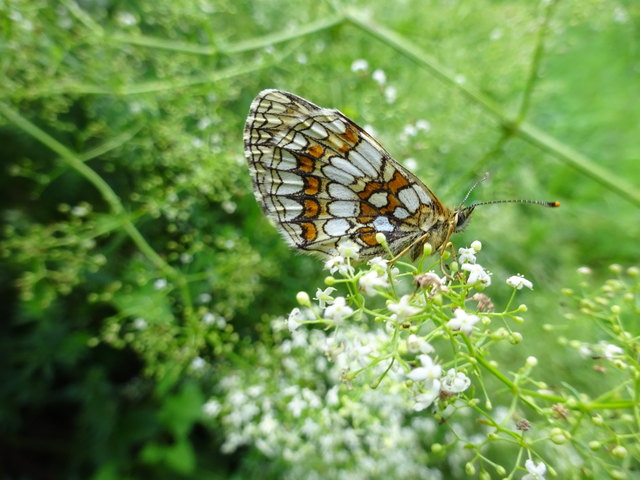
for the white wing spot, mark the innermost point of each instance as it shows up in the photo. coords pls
(382, 224)
(276, 108)
(287, 161)
(343, 208)
(290, 207)
(341, 192)
(290, 183)
(336, 227)
(372, 155)
(422, 193)
(409, 198)
(400, 213)
(378, 199)
(337, 126)
(316, 131)
(298, 142)
(338, 175)
(359, 161)
(343, 164)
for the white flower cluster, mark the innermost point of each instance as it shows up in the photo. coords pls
(302, 398)
(295, 404)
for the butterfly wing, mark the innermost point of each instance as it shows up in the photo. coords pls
(322, 179)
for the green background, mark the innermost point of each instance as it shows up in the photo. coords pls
(125, 193)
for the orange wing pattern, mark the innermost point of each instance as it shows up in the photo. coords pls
(322, 179)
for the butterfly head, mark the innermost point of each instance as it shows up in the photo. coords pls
(461, 217)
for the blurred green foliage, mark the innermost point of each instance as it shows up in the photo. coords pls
(132, 245)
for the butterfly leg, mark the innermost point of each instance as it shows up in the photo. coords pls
(418, 240)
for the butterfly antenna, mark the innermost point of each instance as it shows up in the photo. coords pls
(533, 202)
(484, 177)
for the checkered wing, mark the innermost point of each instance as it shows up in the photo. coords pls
(322, 179)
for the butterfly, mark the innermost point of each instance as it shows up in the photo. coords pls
(322, 180)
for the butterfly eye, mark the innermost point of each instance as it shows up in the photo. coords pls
(462, 218)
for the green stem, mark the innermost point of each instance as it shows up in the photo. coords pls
(536, 60)
(279, 37)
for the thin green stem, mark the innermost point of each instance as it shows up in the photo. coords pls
(280, 37)
(536, 60)
(578, 161)
(209, 78)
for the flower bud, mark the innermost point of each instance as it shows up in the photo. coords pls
(619, 451)
(470, 469)
(303, 299)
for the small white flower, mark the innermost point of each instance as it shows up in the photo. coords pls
(359, 65)
(229, 206)
(585, 351)
(198, 363)
(332, 396)
(296, 406)
(584, 271)
(212, 408)
(372, 280)
(609, 350)
(204, 298)
(160, 284)
(378, 263)
(429, 372)
(518, 281)
(323, 297)
(334, 263)
(535, 472)
(80, 210)
(455, 382)
(208, 318)
(127, 19)
(348, 249)
(402, 309)
(467, 255)
(427, 397)
(390, 94)
(463, 321)
(416, 344)
(295, 319)
(410, 130)
(338, 311)
(204, 123)
(379, 76)
(423, 125)
(476, 245)
(139, 323)
(477, 274)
